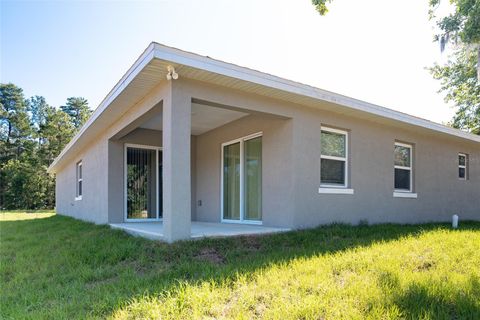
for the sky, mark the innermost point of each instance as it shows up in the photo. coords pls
(373, 50)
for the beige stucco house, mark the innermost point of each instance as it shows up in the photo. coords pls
(184, 139)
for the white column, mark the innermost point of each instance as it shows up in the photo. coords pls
(176, 164)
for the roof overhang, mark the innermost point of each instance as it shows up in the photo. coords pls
(151, 68)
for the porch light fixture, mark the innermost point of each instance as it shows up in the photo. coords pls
(171, 74)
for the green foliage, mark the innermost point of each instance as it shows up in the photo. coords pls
(14, 121)
(78, 270)
(32, 134)
(460, 77)
(461, 25)
(321, 6)
(27, 186)
(78, 110)
(462, 87)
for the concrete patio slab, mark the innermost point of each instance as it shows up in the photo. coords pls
(154, 230)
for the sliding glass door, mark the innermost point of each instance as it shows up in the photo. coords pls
(143, 183)
(231, 181)
(242, 180)
(253, 179)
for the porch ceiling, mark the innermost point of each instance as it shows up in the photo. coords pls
(204, 118)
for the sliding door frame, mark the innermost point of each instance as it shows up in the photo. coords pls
(242, 219)
(125, 186)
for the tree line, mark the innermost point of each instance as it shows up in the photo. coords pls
(32, 134)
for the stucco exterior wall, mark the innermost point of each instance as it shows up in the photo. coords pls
(99, 203)
(291, 165)
(277, 200)
(116, 164)
(94, 203)
(371, 167)
(291, 178)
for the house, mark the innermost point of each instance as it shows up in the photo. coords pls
(184, 139)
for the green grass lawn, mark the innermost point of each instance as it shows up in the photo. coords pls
(55, 267)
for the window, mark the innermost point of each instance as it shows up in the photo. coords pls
(241, 200)
(333, 159)
(403, 167)
(79, 187)
(462, 166)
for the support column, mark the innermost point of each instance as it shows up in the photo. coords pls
(176, 164)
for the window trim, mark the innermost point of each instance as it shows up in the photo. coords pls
(324, 186)
(410, 168)
(78, 179)
(465, 166)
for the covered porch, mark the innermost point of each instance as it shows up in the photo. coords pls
(194, 163)
(154, 230)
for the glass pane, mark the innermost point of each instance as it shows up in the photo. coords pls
(333, 144)
(80, 171)
(231, 181)
(141, 188)
(160, 185)
(332, 172)
(253, 179)
(461, 173)
(402, 156)
(402, 179)
(80, 188)
(461, 160)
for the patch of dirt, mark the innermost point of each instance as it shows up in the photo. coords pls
(425, 266)
(252, 243)
(210, 255)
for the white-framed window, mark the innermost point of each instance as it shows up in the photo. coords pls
(403, 175)
(79, 181)
(462, 166)
(333, 158)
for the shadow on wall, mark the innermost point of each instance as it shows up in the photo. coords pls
(94, 270)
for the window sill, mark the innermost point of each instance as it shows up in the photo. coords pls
(335, 190)
(78, 198)
(411, 195)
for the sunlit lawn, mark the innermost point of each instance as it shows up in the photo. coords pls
(25, 215)
(55, 267)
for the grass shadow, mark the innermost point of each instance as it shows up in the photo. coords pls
(427, 301)
(62, 267)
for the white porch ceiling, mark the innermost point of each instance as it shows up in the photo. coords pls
(204, 118)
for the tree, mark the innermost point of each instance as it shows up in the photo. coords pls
(56, 132)
(462, 27)
(14, 121)
(460, 76)
(321, 6)
(37, 106)
(460, 83)
(32, 134)
(78, 110)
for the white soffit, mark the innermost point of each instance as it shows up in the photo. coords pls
(204, 118)
(150, 68)
(191, 65)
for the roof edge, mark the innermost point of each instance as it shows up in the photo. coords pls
(142, 60)
(232, 70)
(174, 55)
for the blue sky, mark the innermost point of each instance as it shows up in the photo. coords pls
(374, 50)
